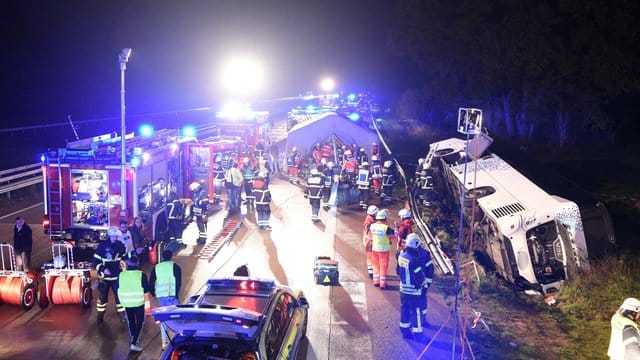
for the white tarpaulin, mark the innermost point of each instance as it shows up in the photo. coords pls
(324, 127)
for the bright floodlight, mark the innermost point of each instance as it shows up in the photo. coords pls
(189, 131)
(327, 84)
(146, 130)
(242, 76)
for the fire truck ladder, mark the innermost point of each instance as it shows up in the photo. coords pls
(225, 235)
(54, 183)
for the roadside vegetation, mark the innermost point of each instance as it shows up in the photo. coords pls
(515, 325)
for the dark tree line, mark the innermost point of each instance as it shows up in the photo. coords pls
(556, 71)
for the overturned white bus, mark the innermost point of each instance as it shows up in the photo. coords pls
(533, 239)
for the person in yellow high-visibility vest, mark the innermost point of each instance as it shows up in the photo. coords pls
(382, 236)
(133, 287)
(165, 282)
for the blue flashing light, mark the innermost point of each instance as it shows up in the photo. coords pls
(135, 161)
(354, 116)
(42, 158)
(189, 131)
(146, 130)
(351, 97)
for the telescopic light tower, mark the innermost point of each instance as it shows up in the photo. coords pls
(123, 58)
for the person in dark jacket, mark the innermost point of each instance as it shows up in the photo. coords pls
(133, 285)
(412, 277)
(22, 244)
(107, 262)
(139, 242)
(263, 198)
(165, 283)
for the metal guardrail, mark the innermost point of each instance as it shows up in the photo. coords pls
(441, 259)
(20, 177)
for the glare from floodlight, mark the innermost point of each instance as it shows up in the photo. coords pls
(234, 110)
(327, 84)
(243, 76)
(189, 131)
(146, 130)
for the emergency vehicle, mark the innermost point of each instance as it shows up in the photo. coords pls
(83, 190)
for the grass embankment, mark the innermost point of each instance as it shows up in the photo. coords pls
(520, 326)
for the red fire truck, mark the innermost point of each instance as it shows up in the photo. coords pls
(83, 192)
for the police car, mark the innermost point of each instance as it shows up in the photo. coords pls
(237, 318)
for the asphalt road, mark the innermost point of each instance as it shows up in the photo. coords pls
(354, 320)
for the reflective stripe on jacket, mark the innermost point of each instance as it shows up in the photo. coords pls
(130, 290)
(165, 280)
(624, 338)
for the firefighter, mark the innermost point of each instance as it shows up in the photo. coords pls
(362, 156)
(349, 168)
(416, 177)
(404, 229)
(412, 277)
(382, 236)
(388, 180)
(264, 166)
(328, 176)
(175, 217)
(372, 210)
(263, 198)
(200, 208)
(218, 179)
(248, 174)
(106, 261)
(260, 149)
(133, 287)
(376, 174)
(625, 335)
(362, 183)
(292, 163)
(165, 284)
(313, 192)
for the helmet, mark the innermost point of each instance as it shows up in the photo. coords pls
(404, 214)
(374, 158)
(194, 186)
(388, 163)
(631, 304)
(347, 152)
(294, 149)
(372, 209)
(413, 241)
(361, 149)
(420, 161)
(113, 231)
(330, 164)
(381, 215)
(59, 261)
(323, 161)
(364, 164)
(314, 172)
(245, 160)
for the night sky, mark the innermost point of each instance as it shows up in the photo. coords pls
(60, 57)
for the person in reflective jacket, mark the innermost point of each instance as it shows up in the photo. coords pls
(165, 284)
(263, 198)
(382, 235)
(106, 261)
(313, 192)
(133, 287)
(412, 277)
(625, 337)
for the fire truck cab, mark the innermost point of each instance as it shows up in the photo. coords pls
(83, 192)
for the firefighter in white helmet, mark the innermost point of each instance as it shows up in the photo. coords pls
(106, 261)
(328, 179)
(372, 210)
(362, 183)
(625, 336)
(382, 235)
(412, 277)
(388, 180)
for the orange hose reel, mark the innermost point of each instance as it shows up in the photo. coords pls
(11, 289)
(66, 290)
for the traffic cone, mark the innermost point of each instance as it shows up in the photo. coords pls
(147, 304)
